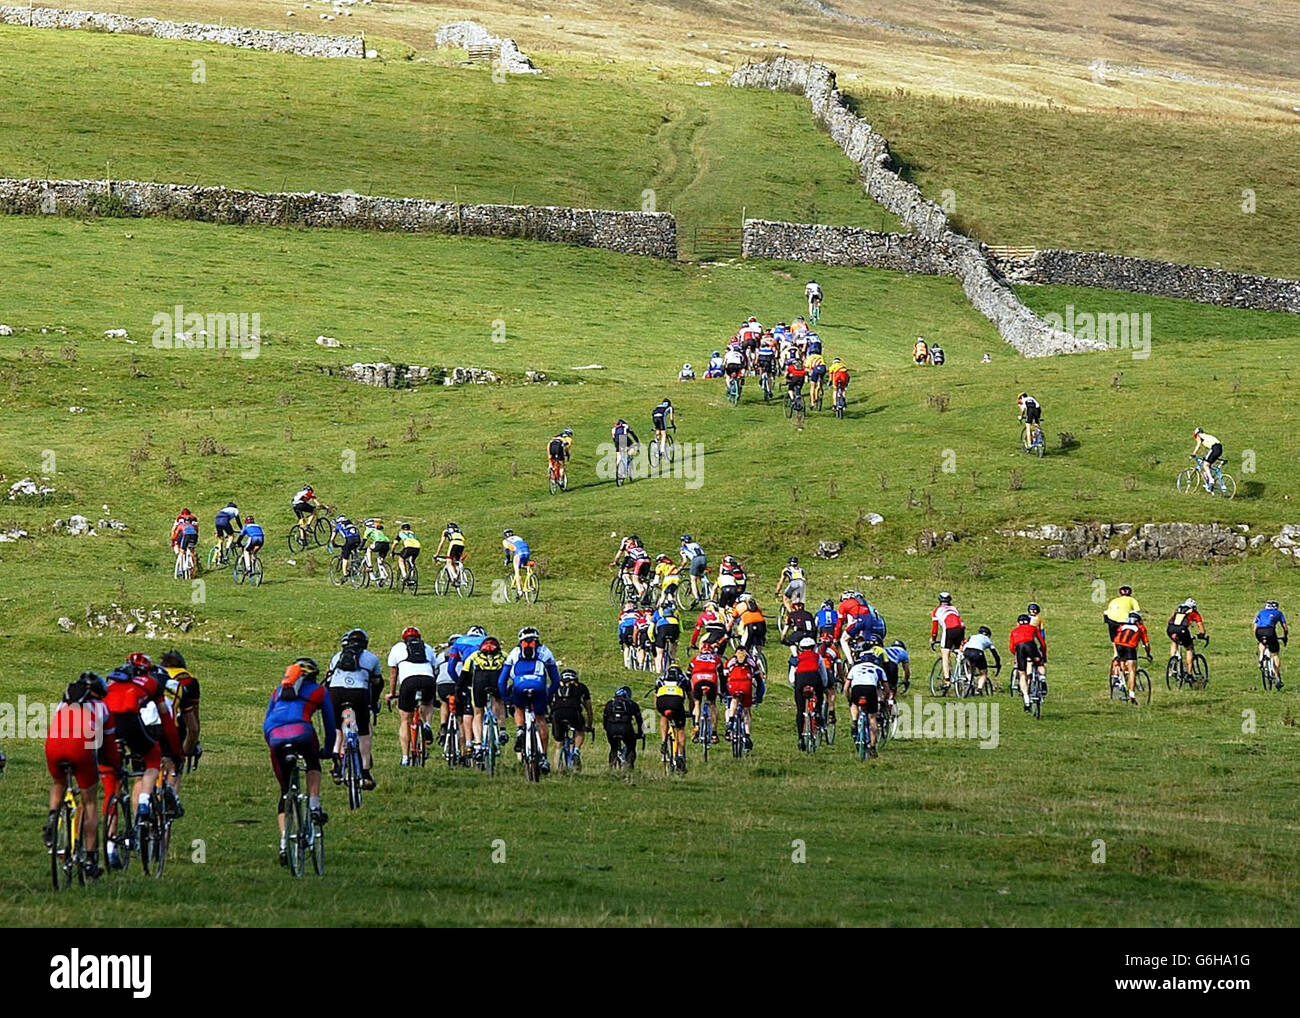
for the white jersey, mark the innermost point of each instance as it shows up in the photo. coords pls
(302, 496)
(866, 673)
(812, 290)
(733, 356)
(368, 668)
(979, 642)
(692, 549)
(397, 659)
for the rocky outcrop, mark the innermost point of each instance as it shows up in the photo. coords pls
(1150, 542)
(982, 283)
(642, 233)
(389, 376)
(307, 44)
(464, 34)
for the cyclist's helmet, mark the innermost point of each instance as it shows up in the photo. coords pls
(340, 518)
(1271, 604)
(828, 603)
(1022, 620)
(716, 353)
(140, 661)
(662, 558)
(1196, 432)
(674, 674)
(728, 560)
(796, 605)
(171, 659)
(623, 693)
(945, 597)
(1190, 603)
(634, 541)
(567, 433)
(686, 539)
(1135, 616)
(454, 638)
(899, 644)
(1023, 395)
(686, 366)
(476, 631)
(873, 640)
(985, 631)
(666, 402)
(308, 489)
(846, 595)
(529, 633)
(248, 518)
(568, 675)
(358, 638)
(807, 643)
(792, 561)
(89, 686)
(620, 423)
(452, 525)
(490, 645)
(507, 532)
(306, 667)
(1033, 608)
(1125, 590)
(411, 633)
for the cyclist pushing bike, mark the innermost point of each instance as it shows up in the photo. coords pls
(1030, 414)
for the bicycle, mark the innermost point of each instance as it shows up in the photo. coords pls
(376, 570)
(794, 407)
(529, 583)
(154, 834)
(765, 381)
(1268, 676)
(218, 556)
(351, 762)
(1191, 478)
(1037, 693)
(886, 723)
(453, 748)
(491, 741)
(839, 403)
(313, 534)
(733, 390)
(665, 449)
(303, 836)
(623, 466)
(814, 310)
(667, 752)
(705, 728)
(959, 680)
(185, 564)
(1119, 684)
(252, 573)
(445, 582)
(557, 478)
(826, 722)
(410, 581)
(1177, 675)
(621, 760)
(1037, 444)
(533, 755)
(569, 757)
(687, 601)
(119, 823)
(809, 735)
(417, 746)
(862, 731)
(736, 734)
(67, 849)
(817, 396)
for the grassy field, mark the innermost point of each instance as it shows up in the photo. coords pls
(1194, 796)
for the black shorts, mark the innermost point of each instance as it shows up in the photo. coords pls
(413, 686)
(1268, 637)
(1034, 414)
(660, 424)
(556, 450)
(1027, 653)
(189, 540)
(978, 662)
(1215, 453)
(455, 552)
(483, 687)
(350, 547)
(641, 568)
(733, 370)
(446, 690)
(380, 548)
(705, 689)
(358, 700)
(666, 634)
(464, 698)
(1112, 627)
(1126, 653)
(890, 668)
(131, 730)
(255, 546)
(410, 554)
(755, 634)
(766, 364)
(627, 636)
(673, 708)
(868, 693)
(727, 595)
(716, 637)
(224, 528)
(952, 637)
(301, 509)
(1182, 637)
(565, 720)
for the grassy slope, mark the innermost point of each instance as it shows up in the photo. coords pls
(402, 128)
(1199, 817)
(1132, 183)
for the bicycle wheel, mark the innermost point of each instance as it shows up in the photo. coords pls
(1142, 685)
(670, 447)
(442, 582)
(118, 817)
(1188, 480)
(936, 679)
(352, 774)
(320, 532)
(532, 587)
(799, 417)
(1037, 702)
(318, 848)
(255, 574)
(337, 578)
(1200, 677)
(862, 734)
(237, 571)
(1227, 487)
(1266, 671)
(706, 730)
(359, 575)
(828, 730)
(293, 833)
(654, 454)
(789, 407)
(297, 540)
(214, 557)
(61, 863)
(782, 617)
(1172, 674)
(818, 402)
(412, 581)
(160, 838)
(553, 485)
(383, 575)
(466, 586)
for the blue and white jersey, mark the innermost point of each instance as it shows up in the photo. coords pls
(1269, 618)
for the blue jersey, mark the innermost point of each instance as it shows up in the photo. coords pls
(897, 655)
(254, 533)
(827, 618)
(227, 514)
(459, 651)
(290, 720)
(1269, 618)
(518, 547)
(814, 343)
(347, 531)
(189, 529)
(877, 621)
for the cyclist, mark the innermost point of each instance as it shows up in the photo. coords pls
(1117, 611)
(627, 633)
(687, 374)
(667, 578)
(1179, 631)
(253, 533)
(1214, 453)
(839, 374)
(765, 357)
(892, 659)
(813, 292)
(815, 365)
(289, 728)
(693, 557)
(750, 627)
(667, 631)
(377, 543)
(224, 523)
(826, 618)
(517, 554)
(559, 450)
(571, 712)
(920, 351)
(408, 549)
(948, 618)
(528, 678)
(799, 623)
(835, 668)
(624, 726)
(799, 328)
(792, 585)
(1265, 627)
(663, 417)
(976, 650)
(1127, 637)
(80, 737)
(183, 695)
(740, 674)
(482, 669)
(795, 375)
(710, 627)
(714, 369)
(731, 581)
(863, 685)
(812, 344)
(185, 534)
(411, 664)
(733, 367)
(350, 534)
(672, 691)
(807, 671)
(705, 681)
(305, 506)
(135, 701)
(626, 444)
(455, 541)
(449, 683)
(1029, 650)
(633, 564)
(1030, 413)
(352, 676)
(936, 354)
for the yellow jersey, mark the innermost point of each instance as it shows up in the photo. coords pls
(814, 360)
(1118, 609)
(667, 687)
(668, 575)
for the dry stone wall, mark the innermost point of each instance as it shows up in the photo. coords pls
(464, 34)
(641, 233)
(982, 283)
(302, 43)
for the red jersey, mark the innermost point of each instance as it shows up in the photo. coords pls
(704, 667)
(127, 697)
(1026, 633)
(1130, 634)
(708, 620)
(739, 674)
(848, 608)
(945, 615)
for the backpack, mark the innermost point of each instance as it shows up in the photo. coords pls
(569, 694)
(415, 652)
(618, 712)
(350, 659)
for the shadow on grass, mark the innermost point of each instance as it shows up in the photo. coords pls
(1251, 489)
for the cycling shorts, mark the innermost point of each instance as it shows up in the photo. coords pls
(413, 687)
(358, 700)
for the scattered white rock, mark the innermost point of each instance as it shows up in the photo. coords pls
(75, 526)
(6, 330)
(27, 488)
(327, 341)
(712, 70)
(66, 624)
(372, 54)
(109, 524)
(589, 367)
(783, 45)
(113, 333)
(704, 45)
(76, 409)
(12, 535)
(875, 519)
(704, 84)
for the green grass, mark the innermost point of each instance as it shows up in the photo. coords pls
(1166, 186)
(1198, 815)
(403, 128)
